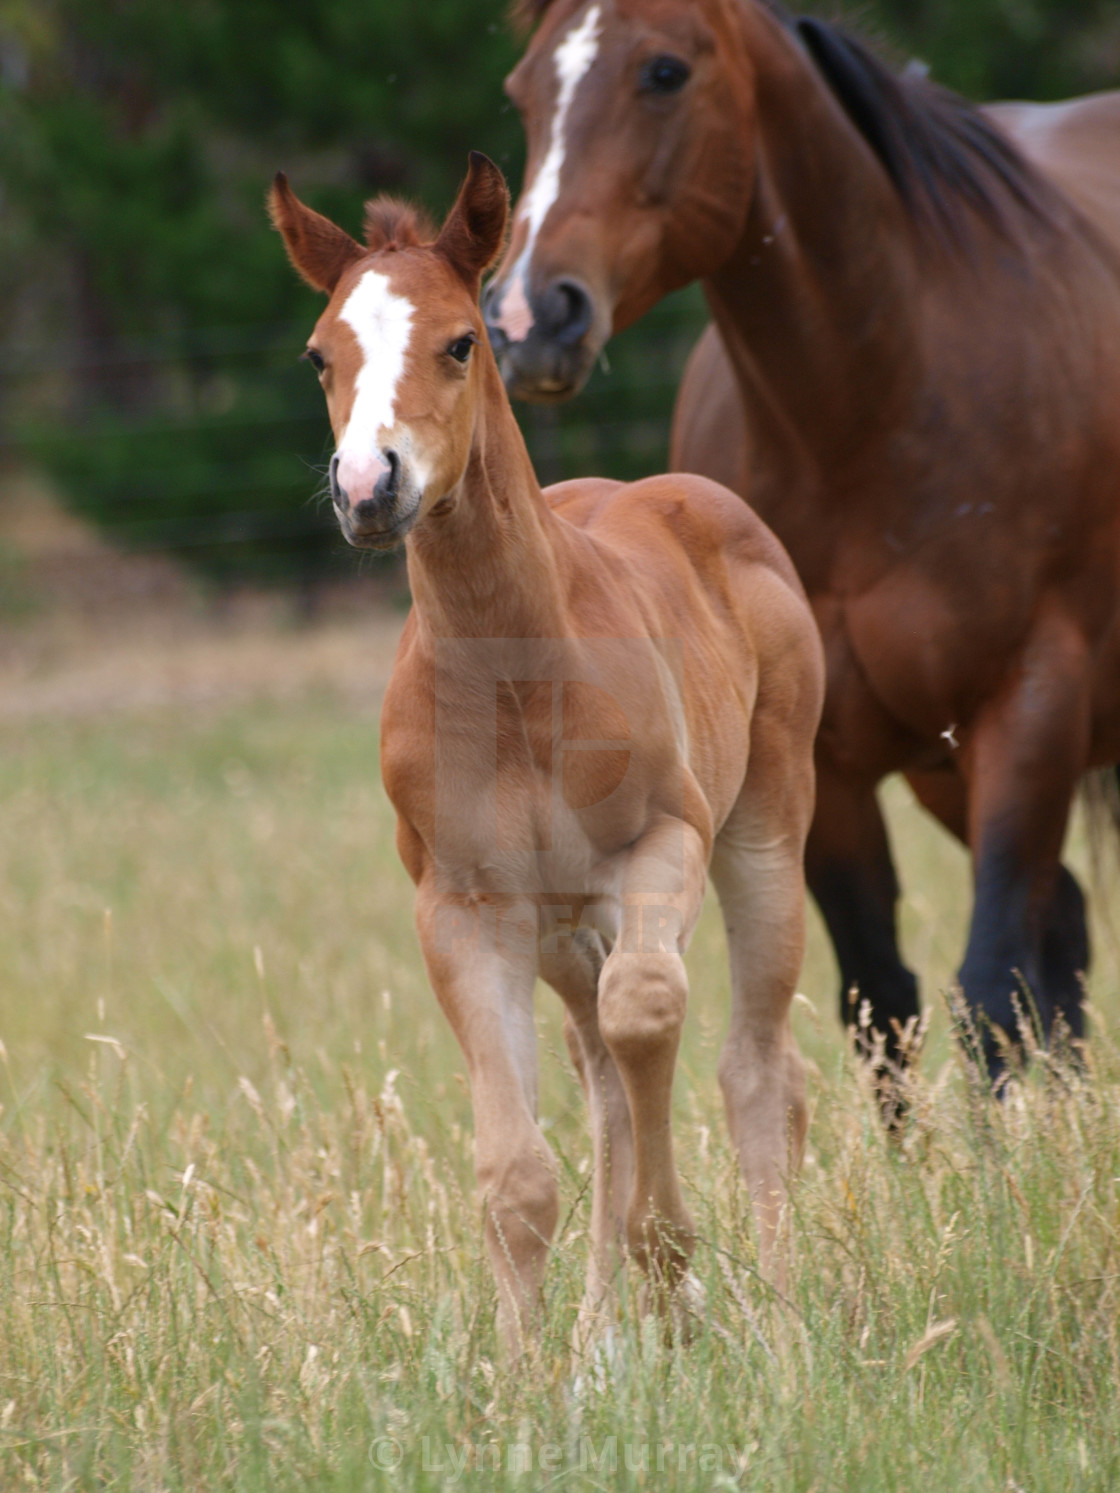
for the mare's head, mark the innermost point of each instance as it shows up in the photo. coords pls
(395, 349)
(639, 120)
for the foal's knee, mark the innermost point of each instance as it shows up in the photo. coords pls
(642, 1002)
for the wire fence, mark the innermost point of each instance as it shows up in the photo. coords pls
(213, 446)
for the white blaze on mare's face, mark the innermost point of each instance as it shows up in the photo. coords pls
(573, 59)
(382, 323)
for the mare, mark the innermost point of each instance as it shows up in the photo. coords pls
(602, 692)
(914, 377)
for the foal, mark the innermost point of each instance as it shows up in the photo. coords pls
(601, 692)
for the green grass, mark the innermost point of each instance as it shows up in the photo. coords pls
(239, 1242)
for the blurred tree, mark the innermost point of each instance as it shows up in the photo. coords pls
(1032, 49)
(136, 143)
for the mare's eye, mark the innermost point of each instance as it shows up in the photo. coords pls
(460, 350)
(664, 75)
(315, 358)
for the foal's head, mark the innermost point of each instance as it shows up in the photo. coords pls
(395, 348)
(638, 116)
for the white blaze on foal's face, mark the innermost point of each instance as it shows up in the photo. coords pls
(572, 60)
(381, 321)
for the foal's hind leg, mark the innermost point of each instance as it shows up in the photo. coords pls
(757, 870)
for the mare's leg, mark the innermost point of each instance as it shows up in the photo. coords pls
(482, 962)
(943, 794)
(643, 992)
(851, 875)
(1023, 756)
(757, 868)
(574, 973)
(1065, 951)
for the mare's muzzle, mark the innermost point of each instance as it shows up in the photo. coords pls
(547, 348)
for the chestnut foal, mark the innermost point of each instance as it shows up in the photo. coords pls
(600, 692)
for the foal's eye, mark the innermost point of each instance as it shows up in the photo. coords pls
(664, 75)
(460, 350)
(315, 358)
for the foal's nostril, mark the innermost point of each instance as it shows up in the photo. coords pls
(389, 482)
(565, 312)
(337, 494)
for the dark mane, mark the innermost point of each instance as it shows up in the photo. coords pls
(942, 154)
(392, 224)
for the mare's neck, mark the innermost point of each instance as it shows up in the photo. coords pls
(816, 302)
(488, 562)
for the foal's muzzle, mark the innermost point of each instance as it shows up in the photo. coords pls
(381, 519)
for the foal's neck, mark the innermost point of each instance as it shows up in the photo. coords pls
(816, 302)
(489, 561)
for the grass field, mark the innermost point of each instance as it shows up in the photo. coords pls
(239, 1243)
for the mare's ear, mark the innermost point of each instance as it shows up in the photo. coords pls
(472, 237)
(318, 248)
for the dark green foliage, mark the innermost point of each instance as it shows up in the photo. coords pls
(137, 140)
(152, 321)
(1031, 49)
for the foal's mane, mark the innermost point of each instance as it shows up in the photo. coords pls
(943, 155)
(393, 224)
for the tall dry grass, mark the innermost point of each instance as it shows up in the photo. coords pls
(240, 1241)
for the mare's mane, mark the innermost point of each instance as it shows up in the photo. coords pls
(945, 158)
(942, 153)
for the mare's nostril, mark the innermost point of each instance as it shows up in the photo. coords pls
(565, 311)
(337, 494)
(491, 309)
(498, 339)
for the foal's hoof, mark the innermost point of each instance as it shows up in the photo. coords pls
(599, 1360)
(690, 1307)
(662, 1249)
(681, 1307)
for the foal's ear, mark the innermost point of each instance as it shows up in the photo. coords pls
(472, 237)
(318, 248)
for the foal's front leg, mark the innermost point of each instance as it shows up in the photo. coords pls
(643, 993)
(481, 958)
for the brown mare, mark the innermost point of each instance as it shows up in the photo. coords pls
(602, 692)
(918, 313)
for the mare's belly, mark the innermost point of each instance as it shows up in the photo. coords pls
(929, 654)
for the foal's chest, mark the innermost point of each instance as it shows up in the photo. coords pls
(527, 787)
